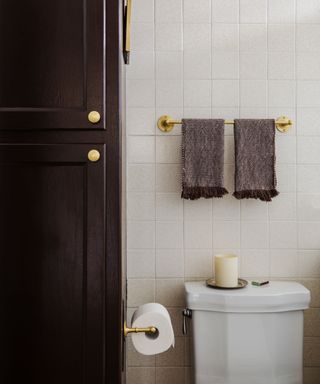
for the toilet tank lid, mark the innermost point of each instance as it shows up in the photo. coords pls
(277, 296)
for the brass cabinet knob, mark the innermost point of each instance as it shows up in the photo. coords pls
(94, 117)
(93, 155)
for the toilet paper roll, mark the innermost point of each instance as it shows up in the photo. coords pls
(147, 315)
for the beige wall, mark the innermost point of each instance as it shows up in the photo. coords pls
(226, 59)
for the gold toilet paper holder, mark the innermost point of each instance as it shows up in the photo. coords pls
(127, 330)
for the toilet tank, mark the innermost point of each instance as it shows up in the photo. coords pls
(252, 335)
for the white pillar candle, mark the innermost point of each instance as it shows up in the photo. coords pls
(226, 270)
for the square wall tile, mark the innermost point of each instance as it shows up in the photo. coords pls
(136, 375)
(140, 291)
(309, 263)
(253, 11)
(253, 112)
(169, 235)
(197, 112)
(308, 178)
(284, 263)
(197, 93)
(253, 65)
(198, 234)
(308, 150)
(198, 263)
(309, 235)
(197, 36)
(225, 93)
(283, 235)
(140, 93)
(169, 263)
(197, 12)
(225, 65)
(169, 65)
(225, 37)
(168, 36)
(254, 210)
(168, 178)
(227, 208)
(140, 121)
(308, 36)
(200, 210)
(143, 11)
(281, 11)
(281, 67)
(141, 149)
(168, 149)
(169, 93)
(253, 37)
(286, 149)
(308, 121)
(169, 207)
(142, 37)
(225, 11)
(141, 234)
(165, 375)
(142, 67)
(255, 262)
(197, 64)
(308, 206)
(141, 263)
(308, 11)
(281, 37)
(253, 93)
(170, 292)
(169, 11)
(226, 234)
(308, 93)
(281, 93)
(308, 65)
(283, 207)
(140, 206)
(141, 178)
(254, 235)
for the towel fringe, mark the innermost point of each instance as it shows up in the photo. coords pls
(193, 193)
(263, 195)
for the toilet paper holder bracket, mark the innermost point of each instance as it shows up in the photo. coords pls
(127, 330)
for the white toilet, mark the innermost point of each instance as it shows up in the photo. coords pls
(252, 335)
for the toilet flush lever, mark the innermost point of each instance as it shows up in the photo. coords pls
(186, 314)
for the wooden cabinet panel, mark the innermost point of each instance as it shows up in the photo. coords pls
(52, 264)
(52, 64)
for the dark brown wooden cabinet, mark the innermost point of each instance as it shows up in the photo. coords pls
(52, 63)
(52, 264)
(60, 226)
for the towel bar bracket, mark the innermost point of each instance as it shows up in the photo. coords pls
(166, 123)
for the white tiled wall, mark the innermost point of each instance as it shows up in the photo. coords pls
(225, 59)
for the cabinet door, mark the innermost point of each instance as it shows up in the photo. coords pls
(52, 60)
(52, 265)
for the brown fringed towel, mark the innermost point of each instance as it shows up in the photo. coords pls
(255, 175)
(202, 158)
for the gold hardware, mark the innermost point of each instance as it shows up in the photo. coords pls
(283, 124)
(166, 123)
(94, 117)
(94, 155)
(127, 45)
(127, 330)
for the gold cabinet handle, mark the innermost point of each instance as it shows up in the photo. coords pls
(94, 155)
(94, 117)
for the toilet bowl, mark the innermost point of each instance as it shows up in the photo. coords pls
(249, 336)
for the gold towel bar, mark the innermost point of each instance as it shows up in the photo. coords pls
(166, 123)
(127, 330)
